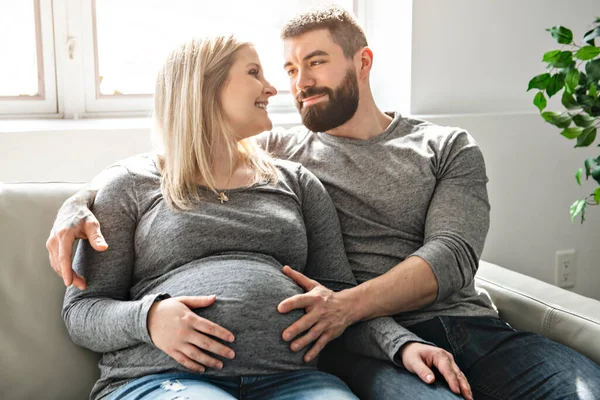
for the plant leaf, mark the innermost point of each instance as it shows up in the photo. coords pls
(583, 120)
(551, 56)
(572, 80)
(591, 35)
(597, 195)
(556, 119)
(587, 52)
(593, 91)
(587, 137)
(578, 176)
(540, 101)
(572, 133)
(596, 173)
(569, 101)
(561, 34)
(592, 68)
(576, 208)
(589, 164)
(539, 82)
(557, 82)
(565, 58)
(585, 100)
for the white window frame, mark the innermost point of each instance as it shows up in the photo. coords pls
(96, 102)
(45, 101)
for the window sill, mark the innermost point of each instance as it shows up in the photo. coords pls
(280, 119)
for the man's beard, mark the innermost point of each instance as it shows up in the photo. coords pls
(337, 110)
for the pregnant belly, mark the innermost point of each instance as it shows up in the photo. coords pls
(248, 290)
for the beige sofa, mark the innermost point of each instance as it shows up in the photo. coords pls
(38, 361)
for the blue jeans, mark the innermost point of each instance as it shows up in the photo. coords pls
(296, 385)
(499, 362)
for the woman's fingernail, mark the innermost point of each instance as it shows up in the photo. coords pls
(429, 378)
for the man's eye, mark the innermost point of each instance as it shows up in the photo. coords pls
(316, 62)
(291, 72)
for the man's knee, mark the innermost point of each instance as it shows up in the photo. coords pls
(372, 379)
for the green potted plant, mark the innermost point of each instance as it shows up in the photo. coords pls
(574, 70)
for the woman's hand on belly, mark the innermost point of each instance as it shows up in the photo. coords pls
(176, 330)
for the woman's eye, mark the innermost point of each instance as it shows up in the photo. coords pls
(253, 72)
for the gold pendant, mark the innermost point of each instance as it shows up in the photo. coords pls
(222, 197)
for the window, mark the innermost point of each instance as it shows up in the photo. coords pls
(108, 51)
(27, 83)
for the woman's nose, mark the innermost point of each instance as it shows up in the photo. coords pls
(270, 89)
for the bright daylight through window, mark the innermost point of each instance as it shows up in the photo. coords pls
(90, 58)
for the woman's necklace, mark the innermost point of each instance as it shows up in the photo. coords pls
(221, 196)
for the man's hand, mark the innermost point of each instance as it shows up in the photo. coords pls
(74, 221)
(179, 332)
(326, 316)
(419, 358)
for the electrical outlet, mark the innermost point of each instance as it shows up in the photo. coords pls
(566, 269)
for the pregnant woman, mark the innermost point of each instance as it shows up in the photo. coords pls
(184, 301)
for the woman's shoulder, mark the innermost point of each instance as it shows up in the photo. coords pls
(295, 173)
(286, 165)
(291, 169)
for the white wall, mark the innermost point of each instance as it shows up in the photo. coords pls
(469, 57)
(473, 59)
(68, 151)
(472, 56)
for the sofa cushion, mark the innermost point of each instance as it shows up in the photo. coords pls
(38, 359)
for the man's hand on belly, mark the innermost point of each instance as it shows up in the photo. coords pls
(326, 318)
(176, 330)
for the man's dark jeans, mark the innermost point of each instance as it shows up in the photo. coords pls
(499, 362)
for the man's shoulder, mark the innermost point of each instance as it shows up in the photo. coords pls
(140, 165)
(437, 135)
(126, 172)
(282, 141)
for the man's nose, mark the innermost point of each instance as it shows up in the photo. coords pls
(304, 80)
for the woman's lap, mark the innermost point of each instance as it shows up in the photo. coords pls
(296, 385)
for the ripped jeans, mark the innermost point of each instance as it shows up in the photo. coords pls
(295, 385)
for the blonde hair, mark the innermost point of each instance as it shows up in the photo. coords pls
(190, 122)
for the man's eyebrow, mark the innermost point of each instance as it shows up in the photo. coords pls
(308, 56)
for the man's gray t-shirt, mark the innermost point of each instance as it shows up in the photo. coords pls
(234, 249)
(417, 189)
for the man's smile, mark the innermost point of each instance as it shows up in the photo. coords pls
(313, 99)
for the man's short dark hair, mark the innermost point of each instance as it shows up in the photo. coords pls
(341, 24)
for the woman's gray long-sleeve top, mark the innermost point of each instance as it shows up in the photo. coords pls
(234, 249)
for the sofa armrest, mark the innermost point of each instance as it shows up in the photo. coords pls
(531, 305)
